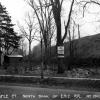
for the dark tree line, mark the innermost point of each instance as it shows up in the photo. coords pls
(9, 39)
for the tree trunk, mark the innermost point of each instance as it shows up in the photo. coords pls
(42, 76)
(29, 55)
(57, 17)
(45, 58)
(71, 51)
(59, 43)
(78, 32)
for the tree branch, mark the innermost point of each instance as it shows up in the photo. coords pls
(66, 27)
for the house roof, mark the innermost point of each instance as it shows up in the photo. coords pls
(14, 55)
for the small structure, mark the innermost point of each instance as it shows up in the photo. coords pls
(13, 63)
(13, 59)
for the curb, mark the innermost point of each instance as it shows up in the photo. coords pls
(89, 84)
(66, 78)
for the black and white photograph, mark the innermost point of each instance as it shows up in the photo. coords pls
(49, 49)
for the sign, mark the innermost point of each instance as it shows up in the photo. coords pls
(60, 51)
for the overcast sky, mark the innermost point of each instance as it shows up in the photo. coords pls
(18, 8)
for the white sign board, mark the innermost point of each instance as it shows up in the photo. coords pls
(60, 47)
(60, 51)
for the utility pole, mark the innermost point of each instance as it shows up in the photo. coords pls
(78, 32)
(42, 76)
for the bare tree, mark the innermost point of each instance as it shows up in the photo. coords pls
(43, 9)
(85, 3)
(57, 8)
(44, 16)
(29, 32)
(23, 46)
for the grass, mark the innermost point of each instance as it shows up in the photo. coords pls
(76, 84)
